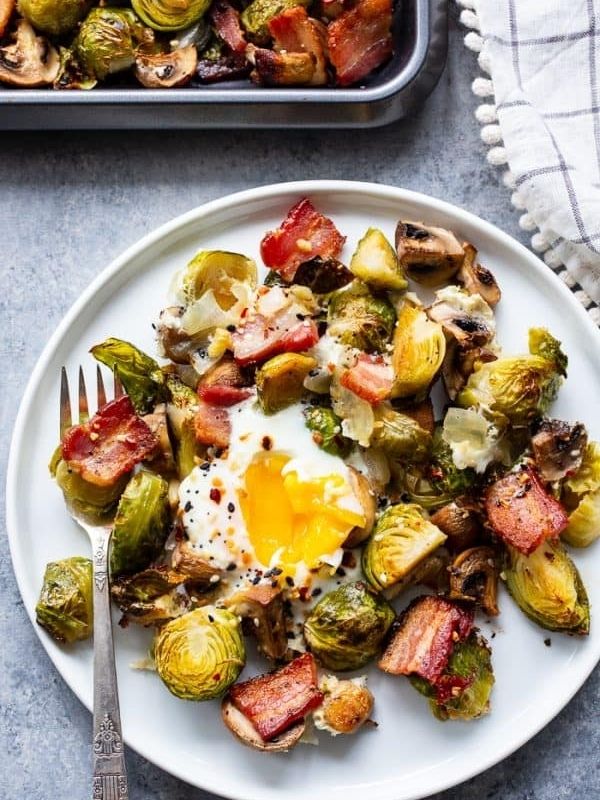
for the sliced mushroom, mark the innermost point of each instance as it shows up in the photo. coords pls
(163, 461)
(186, 560)
(558, 448)
(430, 255)
(468, 328)
(459, 363)
(474, 577)
(175, 343)
(283, 69)
(477, 279)
(263, 616)
(366, 496)
(30, 61)
(459, 520)
(422, 413)
(6, 9)
(166, 70)
(242, 728)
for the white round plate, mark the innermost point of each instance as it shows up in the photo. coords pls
(410, 755)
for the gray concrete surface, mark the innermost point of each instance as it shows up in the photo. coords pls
(69, 203)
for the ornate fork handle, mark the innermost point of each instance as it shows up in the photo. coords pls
(110, 776)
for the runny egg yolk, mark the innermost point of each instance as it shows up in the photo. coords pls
(301, 520)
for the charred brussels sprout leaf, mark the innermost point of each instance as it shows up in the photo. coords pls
(199, 655)
(141, 524)
(54, 17)
(322, 276)
(375, 262)
(108, 39)
(419, 349)
(547, 587)
(280, 381)
(358, 319)
(65, 607)
(401, 540)
(256, 16)
(345, 630)
(71, 75)
(581, 494)
(519, 388)
(399, 436)
(326, 428)
(140, 375)
(168, 15)
(217, 270)
(95, 503)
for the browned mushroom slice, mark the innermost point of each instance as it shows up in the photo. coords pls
(430, 255)
(244, 730)
(558, 448)
(459, 363)
(187, 561)
(283, 69)
(460, 522)
(163, 461)
(474, 577)
(422, 413)
(366, 497)
(261, 609)
(6, 9)
(30, 61)
(468, 329)
(477, 279)
(166, 70)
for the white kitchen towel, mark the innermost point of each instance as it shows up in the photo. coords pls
(543, 120)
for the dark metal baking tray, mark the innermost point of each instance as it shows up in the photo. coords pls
(420, 34)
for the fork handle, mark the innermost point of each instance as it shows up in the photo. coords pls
(110, 775)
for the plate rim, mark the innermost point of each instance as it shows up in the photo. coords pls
(213, 207)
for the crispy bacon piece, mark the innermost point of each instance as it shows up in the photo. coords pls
(294, 31)
(261, 338)
(226, 22)
(212, 425)
(223, 385)
(522, 513)
(303, 235)
(223, 395)
(110, 444)
(425, 637)
(360, 40)
(370, 378)
(274, 702)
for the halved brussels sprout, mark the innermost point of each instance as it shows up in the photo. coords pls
(375, 262)
(65, 607)
(217, 270)
(140, 375)
(170, 15)
(345, 630)
(358, 319)
(256, 16)
(547, 587)
(402, 538)
(71, 75)
(326, 428)
(584, 522)
(181, 406)
(200, 655)
(54, 17)
(581, 496)
(587, 477)
(141, 524)
(108, 39)
(463, 691)
(94, 503)
(419, 349)
(280, 381)
(519, 388)
(399, 436)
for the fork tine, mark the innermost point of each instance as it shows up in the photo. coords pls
(100, 392)
(65, 404)
(83, 401)
(119, 391)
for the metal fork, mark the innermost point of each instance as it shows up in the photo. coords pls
(110, 776)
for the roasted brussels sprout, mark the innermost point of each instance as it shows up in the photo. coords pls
(345, 630)
(280, 381)
(326, 429)
(256, 16)
(199, 655)
(419, 349)
(95, 503)
(472, 439)
(518, 388)
(376, 263)
(346, 705)
(474, 577)
(399, 436)
(181, 406)
(217, 270)
(71, 74)
(108, 39)
(463, 691)
(140, 375)
(167, 15)
(547, 587)
(141, 523)
(581, 494)
(54, 17)
(65, 607)
(322, 276)
(430, 255)
(358, 319)
(402, 538)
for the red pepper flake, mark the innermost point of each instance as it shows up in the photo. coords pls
(215, 495)
(267, 443)
(217, 676)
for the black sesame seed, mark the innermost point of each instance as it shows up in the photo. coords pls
(211, 618)
(188, 506)
(548, 642)
(289, 580)
(231, 328)
(230, 508)
(231, 566)
(316, 592)
(205, 465)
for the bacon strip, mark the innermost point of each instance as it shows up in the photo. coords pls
(294, 31)
(370, 378)
(360, 40)
(425, 638)
(303, 235)
(226, 22)
(522, 513)
(261, 338)
(212, 425)
(274, 702)
(223, 385)
(110, 444)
